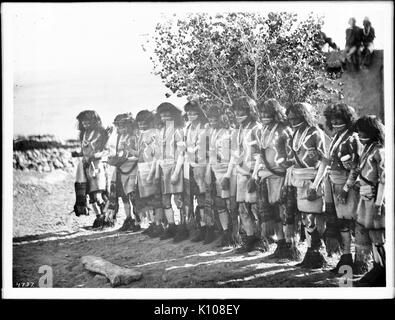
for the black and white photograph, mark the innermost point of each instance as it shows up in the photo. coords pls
(243, 148)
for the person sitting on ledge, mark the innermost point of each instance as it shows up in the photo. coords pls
(353, 43)
(367, 48)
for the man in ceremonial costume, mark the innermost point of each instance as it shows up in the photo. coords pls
(195, 163)
(276, 218)
(123, 182)
(371, 206)
(91, 176)
(149, 196)
(244, 159)
(307, 150)
(220, 145)
(171, 157)
(341, 163)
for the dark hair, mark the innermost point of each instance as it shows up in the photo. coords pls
(146, 116)
(217, 110)
(92, 116)
(169, 107)
(366, 20)
(127, 120)
(273, 107)
(194, 105)
(342, 110)
(372, 126)
(302, 109)
(353, 19)
(243, 103)
(247, 104)
(122, 117)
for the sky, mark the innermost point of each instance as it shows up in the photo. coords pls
(75, 56)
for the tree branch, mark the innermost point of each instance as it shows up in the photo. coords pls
(227, 91)
(263, 94)
(212, 93)
(274, 72)
(234, 80)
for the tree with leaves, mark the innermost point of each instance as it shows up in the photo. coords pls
(225, 56)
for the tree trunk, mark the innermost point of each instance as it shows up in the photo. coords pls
(116, 274)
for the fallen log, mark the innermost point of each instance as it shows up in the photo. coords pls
(116, 274)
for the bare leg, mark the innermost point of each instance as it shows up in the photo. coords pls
(313, 258)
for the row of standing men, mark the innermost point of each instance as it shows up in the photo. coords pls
(272, 177)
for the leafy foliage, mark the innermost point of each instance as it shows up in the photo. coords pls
(215, 58)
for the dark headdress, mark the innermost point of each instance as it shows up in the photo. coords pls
(168, 107)
(342, 111)
(174, 111)
(89, 115)
(304, 110)
(92, 116)
(372, 126)
(214, 111)
(194, 105)
(145, 116)
(244, 103)
(123, 118)
(273, 107)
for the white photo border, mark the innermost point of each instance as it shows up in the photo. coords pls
(8, 11)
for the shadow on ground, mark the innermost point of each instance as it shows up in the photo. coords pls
(163, 263)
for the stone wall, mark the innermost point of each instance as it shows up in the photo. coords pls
(43, 153)
(363, 89)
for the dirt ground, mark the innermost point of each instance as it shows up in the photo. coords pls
(45, 233)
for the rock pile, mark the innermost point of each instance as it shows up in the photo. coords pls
(43, 153)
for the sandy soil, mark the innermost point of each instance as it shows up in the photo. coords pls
(45, 233)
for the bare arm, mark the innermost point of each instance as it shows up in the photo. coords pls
(324, 163)
(379, 158)
(352, 164)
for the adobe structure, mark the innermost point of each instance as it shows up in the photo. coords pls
(364, 89)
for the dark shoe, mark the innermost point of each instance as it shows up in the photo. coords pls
(99, 222)
(225, 240)
(305, 258)
(374, 278)
(286, 251)
(201, 235)
(109, 223)
(317, 261)
(149, 230)
(135, 227)
(345, 260)
(127, 224)
(210, 235)
(360, 267)
(262, 245)
(248, 245)
(157, 232)
(278, 252)
(313, 259)
(169, 232)
(182, 233)
(293, 252)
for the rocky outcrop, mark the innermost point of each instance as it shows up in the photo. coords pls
(361, 89)
(43, 153)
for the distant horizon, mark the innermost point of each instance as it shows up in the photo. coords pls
(61, 68)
